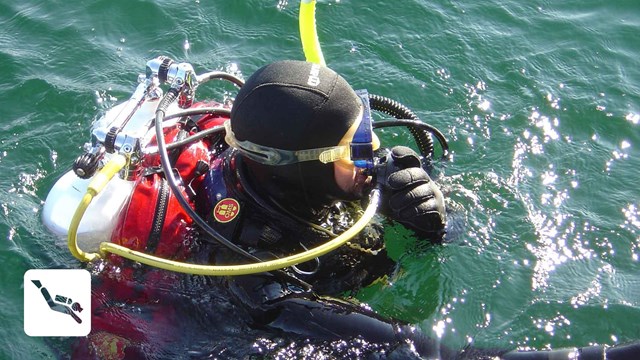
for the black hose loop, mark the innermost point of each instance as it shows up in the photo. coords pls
(397, 110)
(221, 75)
(417, 124)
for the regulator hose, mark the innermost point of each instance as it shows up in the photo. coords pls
(399, 111)
(219, 75)
(197, 136)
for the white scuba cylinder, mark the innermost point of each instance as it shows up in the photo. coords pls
(126, 129)
(134, 118)
(100, 218)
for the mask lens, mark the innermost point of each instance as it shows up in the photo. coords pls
(362, 144)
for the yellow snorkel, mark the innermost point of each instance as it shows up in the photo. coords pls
(308, 32)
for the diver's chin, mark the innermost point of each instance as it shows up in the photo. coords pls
(353, 183)
(361, 184)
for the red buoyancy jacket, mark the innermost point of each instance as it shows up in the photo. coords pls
(154, 221)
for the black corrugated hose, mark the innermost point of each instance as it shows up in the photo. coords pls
(397, 110)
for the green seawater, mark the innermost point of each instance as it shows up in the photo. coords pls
(540, 101)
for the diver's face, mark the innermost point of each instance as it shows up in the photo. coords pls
(351, 179)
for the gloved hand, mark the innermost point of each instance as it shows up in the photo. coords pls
(409, 195)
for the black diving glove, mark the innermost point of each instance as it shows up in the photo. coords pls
(410, 197)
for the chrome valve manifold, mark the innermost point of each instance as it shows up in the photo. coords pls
(180, 77)
(125, 128)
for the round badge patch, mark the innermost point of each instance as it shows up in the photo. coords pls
(226, 210)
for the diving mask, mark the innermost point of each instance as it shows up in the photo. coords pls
(359, 149)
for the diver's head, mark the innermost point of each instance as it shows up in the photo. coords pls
(294, 123)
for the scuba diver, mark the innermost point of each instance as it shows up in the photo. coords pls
(289, 168)
(290, 173)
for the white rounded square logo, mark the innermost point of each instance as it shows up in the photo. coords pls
(57, 302)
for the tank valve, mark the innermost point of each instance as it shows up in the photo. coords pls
(86, 164)
(180, 76)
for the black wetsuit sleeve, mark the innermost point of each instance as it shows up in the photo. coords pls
(304, 315)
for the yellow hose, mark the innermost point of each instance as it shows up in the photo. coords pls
(308, 32)
(228, 270)
(103, 177)
(96, 185)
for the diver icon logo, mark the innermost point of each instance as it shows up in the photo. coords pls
(57, 302)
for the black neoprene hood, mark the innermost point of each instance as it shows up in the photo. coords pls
(295, 105)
